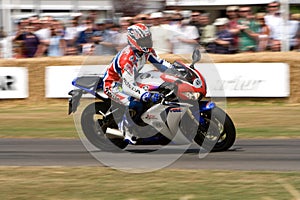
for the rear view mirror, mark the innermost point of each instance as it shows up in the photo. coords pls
(196, 57)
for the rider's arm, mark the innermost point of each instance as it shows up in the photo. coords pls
(128, 82)
(160, 64)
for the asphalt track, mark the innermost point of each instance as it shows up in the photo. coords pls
(271, 155)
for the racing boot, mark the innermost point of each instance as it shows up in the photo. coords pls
(126, 129)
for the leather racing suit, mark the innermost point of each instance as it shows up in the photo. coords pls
(119, 80)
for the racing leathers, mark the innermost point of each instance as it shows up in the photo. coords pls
(119, 80)
(120, 85)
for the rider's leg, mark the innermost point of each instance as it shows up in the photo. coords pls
(114, 91)
(137, 108)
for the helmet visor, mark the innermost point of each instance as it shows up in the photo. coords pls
(145, 42)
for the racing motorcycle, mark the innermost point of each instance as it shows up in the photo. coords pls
(182, 116)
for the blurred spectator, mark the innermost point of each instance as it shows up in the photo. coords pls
(18, 49)
(166, 20)
(2, 33)
(85, 41)
(298, 31)
(29, 42)
(92, 15)
(109, 39)
(160, 34)
(3, 43)
(274, 22)
(248, 35)
(171, 31)
(264, 33)
(122, 37)
(208, 31)
(44, 33)
(142, 18)
(35, 22)
(232, 14)
(195, 21)
(298, 38)
(82, 25)
(293, 26)
(56, 44)
(184, 36)
(224, 40)
(71, 34)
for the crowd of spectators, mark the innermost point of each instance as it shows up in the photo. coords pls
(239, 31)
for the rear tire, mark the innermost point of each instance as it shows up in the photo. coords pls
(94, 127)
(219, 132)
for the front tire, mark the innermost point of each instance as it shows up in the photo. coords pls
(94, 127)
(218, 131)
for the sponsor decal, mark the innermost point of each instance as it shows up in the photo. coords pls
(149, 116)
(197, 83)
(132, 87)
(13, 82)
(7, 82)
(175, 110)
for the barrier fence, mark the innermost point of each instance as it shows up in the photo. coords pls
(284, 81)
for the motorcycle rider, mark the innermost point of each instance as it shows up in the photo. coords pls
(119, 80)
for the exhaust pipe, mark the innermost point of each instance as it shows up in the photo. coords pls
(114, 132)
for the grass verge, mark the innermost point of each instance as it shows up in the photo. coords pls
(102, 183)
(52, 121)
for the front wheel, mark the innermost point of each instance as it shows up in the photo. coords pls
(94, 127)
(217, 131)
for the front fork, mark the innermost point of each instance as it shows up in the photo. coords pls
(204, 106)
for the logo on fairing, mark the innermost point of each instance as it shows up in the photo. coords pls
(146, 87)
(149, 116)
(175, 110)
(197, 83)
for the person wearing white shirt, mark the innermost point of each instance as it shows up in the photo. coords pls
(160, 34)
(275, 23)
(184, 36)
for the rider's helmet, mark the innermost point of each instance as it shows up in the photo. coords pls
(139, 37)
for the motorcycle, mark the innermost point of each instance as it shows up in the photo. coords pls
(182, 116)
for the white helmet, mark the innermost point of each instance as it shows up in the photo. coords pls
(139, 37)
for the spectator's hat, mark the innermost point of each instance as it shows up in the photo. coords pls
(156, 15)
(232, 8)
(220, 21)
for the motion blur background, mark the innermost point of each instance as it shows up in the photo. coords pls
(14, 12)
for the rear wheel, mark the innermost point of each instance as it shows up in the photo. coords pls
(218, 132)
(94, 126)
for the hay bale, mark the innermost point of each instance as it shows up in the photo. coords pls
(36, 68)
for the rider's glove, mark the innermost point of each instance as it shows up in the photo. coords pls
(147, 97)
(156, 97)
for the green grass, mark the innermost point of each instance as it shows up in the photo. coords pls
(38, 122)
(102, 183)
(252, 120)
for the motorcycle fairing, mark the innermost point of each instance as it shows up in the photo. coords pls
(88, 83)
(168, 126)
